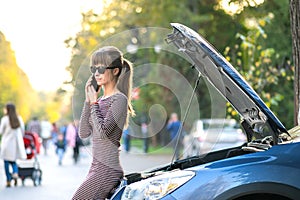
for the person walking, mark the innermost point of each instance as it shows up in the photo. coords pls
(46, 129)
(12, 144)
(60, 144)
(173, 127)
(54, 132)
(144, 130)
(126, 139)
(34, 126)
(73, 139)
(104, 118)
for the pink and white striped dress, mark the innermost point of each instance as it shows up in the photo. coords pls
(104, 122)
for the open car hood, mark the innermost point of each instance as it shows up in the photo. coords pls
(257, 118)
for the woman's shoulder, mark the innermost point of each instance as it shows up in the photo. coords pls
(4, 119)
(4, 123)
(121, 95)
(118, 99)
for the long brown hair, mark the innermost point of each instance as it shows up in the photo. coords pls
(112, 56)
(12, 115)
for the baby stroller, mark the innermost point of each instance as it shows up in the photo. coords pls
(30, 168)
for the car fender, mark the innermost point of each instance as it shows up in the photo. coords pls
(242, 175)
(261, 188)
(234, 183)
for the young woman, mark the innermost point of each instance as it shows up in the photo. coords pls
(12, 145)
(104, 119)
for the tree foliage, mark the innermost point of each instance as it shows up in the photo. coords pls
(263, 61)
(14, 84)
(248, 38)
(15, 87)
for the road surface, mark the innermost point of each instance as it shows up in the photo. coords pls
(60, 182)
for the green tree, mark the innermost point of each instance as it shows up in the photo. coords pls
(119, 16)
(16, 88)
(14, 83)
(263, 61)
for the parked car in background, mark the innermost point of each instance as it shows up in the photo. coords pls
(209, 135)
(266, 167)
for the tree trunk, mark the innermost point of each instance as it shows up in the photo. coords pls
(295, 28)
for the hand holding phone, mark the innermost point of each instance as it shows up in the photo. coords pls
(95, 84)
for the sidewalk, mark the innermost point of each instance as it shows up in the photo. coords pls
(60, 182)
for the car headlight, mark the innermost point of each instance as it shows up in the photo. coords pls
(156, 187)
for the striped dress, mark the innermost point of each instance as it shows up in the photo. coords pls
(104, 122)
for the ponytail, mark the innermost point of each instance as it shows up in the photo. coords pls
(125, 85)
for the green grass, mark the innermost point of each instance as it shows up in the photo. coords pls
(138, 143)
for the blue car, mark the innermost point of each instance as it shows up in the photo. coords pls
(266, 167)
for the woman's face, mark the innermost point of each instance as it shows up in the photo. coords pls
(105, 78)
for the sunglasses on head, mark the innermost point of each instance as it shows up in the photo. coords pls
(100, 70)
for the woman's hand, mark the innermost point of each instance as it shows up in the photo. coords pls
(90, 94)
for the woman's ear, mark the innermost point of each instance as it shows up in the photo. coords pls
(116, 71)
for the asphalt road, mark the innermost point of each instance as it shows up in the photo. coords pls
(60, 182)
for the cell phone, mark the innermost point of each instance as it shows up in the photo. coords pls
(95, 84)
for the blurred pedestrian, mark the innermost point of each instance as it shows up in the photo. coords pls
(144, 129)
(12, 144)
(104, 119)
(46, 129)
(60, 144)
(126, 139)
(54, 132)
(63, 129)
(73, 139)
(173, 127)
(34, 126)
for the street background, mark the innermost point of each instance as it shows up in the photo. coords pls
(60, 182)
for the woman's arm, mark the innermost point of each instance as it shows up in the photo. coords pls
(85, 129)
(2, 126)
(116, 116)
